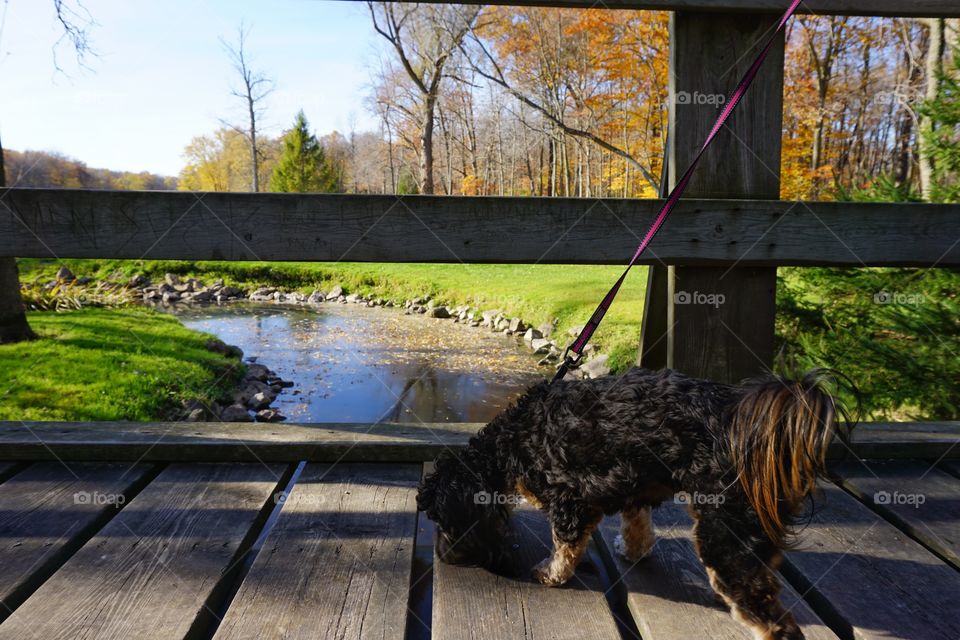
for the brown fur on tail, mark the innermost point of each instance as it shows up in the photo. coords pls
(779, 435)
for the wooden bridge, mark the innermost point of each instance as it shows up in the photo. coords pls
(179, 530)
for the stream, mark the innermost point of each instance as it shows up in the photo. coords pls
(351, 363)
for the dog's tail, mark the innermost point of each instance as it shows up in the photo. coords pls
(779, 434)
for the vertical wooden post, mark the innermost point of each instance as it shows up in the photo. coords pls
(719, 320)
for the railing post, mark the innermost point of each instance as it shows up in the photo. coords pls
(718, 322)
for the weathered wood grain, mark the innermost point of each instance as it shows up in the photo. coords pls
(150, 571)
(868, 579)
(919, 498)
(332, 442)
(472, 603)
(669, 595)
(48, 510)
(337, 563)
(248, 226)
(8, 469)
(905, 8)
(721, 319)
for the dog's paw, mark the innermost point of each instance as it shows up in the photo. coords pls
(543, 574)
(632, 555)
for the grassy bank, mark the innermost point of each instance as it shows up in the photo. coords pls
(536, 293)
(98, 364)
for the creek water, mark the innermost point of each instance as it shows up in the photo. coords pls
(351, 363)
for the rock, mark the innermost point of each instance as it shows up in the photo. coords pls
(270, 415)
(235, 413)
(217, 284)
(575, 331)
(263, 293)
(502, 324)
(197, 415)
(315, 298)
(517, 325)
(335, 293)
(474, 323)
(65, 275)
(151, 295)
(171, 296)
(202, 296)
(596, 367)
(547, 329)
(84, 280)
(541, 345)
(260, 400)
(257, 372)
(488, 317)
(531, 335)
(438, 312)
(354, 297)
(171, 279)
(222, 348)
(230, 292)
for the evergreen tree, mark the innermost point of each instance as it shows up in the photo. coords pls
(943, 139)
(303, 166)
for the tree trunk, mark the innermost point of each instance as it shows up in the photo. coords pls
(13, 320)
(254, 160)
(934, 66)
(426, 146)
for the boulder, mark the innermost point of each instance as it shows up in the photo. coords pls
(65, 275)
(260, 400)
(171, 296)
(488, 318)
(139, 281)
(354, 297)
(517, 326)
(438, 312)
(270, 415)
(531, 335)
(596, 367)
(171, 279)
(230, 292)
(315, 298)
(541, 345)
(197, 415)
(235, 413)
(257, 372)
(335, 293)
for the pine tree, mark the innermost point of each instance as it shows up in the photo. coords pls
(303, 166)
(943, 139)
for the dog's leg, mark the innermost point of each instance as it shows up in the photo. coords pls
(742, 575)
(636, 537)
(572, 525)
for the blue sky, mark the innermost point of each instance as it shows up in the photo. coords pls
(162, 76)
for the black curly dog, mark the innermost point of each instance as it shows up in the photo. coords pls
(582, 449)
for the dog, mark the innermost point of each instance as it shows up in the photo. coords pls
(580, 449)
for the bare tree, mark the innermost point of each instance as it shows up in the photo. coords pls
(255, 87)
(424, 38)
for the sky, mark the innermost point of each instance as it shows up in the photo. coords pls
(161, 75)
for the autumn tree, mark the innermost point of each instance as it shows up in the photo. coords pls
(303, 166)
(222, 161)
(254, 88)
(424, 37)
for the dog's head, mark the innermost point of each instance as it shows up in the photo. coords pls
(473, 523)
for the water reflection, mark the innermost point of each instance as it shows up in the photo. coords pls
(356, 364)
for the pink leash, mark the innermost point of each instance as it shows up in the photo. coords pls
(570, 361)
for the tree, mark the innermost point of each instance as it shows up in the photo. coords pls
(424, 38)
(941, 136)
(255, 87)
(303, 166)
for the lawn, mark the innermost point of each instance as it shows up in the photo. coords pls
(536, 293)
(99, 364)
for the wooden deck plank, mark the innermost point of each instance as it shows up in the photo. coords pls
(7, 469)
(150, 571)
(869, 580)
(668, 592)
(49, 510)
(352, 442)
(919, 498)
(469, 602)
(77, 223)
(337, 563)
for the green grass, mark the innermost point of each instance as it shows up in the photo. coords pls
(98, 364)
(536, 293)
